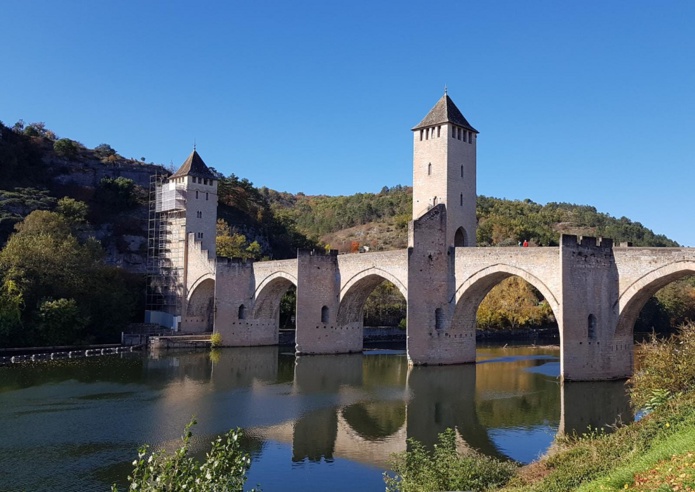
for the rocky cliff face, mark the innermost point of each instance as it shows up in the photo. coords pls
(121, 230)
(116, 190)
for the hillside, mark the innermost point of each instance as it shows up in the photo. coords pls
(379, 221)
(39, 168)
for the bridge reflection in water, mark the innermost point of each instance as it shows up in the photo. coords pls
(509, 405)
(84, 419)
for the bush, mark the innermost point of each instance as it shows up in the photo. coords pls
(66, 148)
(667, 368)
(419, 470)
(117, 194)
(224, 468)
(216, 340)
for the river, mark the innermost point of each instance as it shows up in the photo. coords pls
(313, 423)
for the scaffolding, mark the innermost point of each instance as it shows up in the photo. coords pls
(165, 248)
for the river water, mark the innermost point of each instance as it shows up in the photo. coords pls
(313, 423)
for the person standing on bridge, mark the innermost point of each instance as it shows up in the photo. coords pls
(525, 243)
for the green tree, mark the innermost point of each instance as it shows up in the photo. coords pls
(11, 307)
(60, 322)
(74, 211)
(65, 147)
(46, 269)
(117, 194)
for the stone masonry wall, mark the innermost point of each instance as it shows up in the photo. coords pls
(318, 292)
(589, 312)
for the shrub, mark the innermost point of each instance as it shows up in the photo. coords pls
(224, 468)
(216, 339)
(419, 470)
(667, 368)
(66, 148)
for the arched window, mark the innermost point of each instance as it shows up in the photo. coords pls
(591, 328)
(429, 169)
(460, 238)
(242, 312)
(439, 319)
(324, 314)
(461, 199)
(462, 171)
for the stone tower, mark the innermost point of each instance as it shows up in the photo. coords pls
(199, 216)
(444, 170)
(184, 215)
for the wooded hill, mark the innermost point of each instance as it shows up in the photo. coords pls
(380, 220)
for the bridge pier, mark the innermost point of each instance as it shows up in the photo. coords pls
(433, 338)
(241, 320)
(589, 312)
(318, 300)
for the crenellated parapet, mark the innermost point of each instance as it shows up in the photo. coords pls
(570, 240)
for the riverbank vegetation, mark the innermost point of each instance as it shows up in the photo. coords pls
(55, 288)
(655, 453)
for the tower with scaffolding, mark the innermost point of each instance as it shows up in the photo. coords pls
(182, 208)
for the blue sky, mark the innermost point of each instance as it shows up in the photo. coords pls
(589, 102)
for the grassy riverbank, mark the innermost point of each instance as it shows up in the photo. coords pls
(655, 453)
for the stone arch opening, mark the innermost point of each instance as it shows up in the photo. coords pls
(460, 237)
(372, 301)
(324, 314)
(644, 294)
(506, 297)
(276, 302)
(200, 308)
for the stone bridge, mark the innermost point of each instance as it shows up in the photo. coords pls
(596, 292)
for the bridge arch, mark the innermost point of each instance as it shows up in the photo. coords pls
(200, 306)
(198, 282)
(269, 292)
(636, 295)
(357, 289)
(473, 290)
(370, 272)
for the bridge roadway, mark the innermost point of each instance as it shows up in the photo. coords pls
(595, 291)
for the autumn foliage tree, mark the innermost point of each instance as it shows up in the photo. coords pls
(513, 303)
(231, 244)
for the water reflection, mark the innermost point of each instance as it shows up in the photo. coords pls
(83, 420)
(596, 405)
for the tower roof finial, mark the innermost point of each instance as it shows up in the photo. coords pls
(193, 143)
(446, 92)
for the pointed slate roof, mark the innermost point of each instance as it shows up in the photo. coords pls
(194, 166)
(445, 111)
